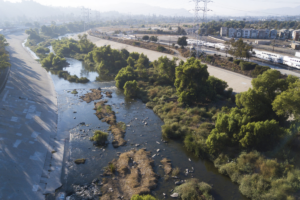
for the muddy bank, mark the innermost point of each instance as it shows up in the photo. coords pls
(94, 95)
(106, 114)
(132, 174)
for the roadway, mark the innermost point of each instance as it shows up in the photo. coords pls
(28, 121)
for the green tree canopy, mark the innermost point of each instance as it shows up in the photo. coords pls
(288, 102)
(124, 75)
(182, 41)
(130, 88)
(191, 81)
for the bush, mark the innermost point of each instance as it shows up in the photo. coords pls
(193, 189)
(99, 137)
(247, 65)
(174, 131)
(131, 88)
(145, 37)
(161, 48)
(237, 62)
(259, 70)
(230, 59)
(142, 197)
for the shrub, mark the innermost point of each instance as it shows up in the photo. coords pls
(145, 37)
(142, 197)
(99, 137)
(193, 189)
(174, 130)
(161, 48)
(259, 70)
(230, 59)
(175, 171)
(247, 65)
(237, 62)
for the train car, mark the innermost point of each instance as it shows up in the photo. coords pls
(292, 62)
(272, 57)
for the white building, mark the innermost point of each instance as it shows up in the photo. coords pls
(246, 33)
(231, 32)
(239, 33)
(254, 33)
(223, 31)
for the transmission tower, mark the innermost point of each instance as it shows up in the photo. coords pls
(205, 11)
(196, 10)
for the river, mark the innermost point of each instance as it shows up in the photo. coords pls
(147, 136)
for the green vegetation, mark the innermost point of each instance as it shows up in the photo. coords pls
(182, 41)
(131, 88)
(4, 56)
(145, 37)
(54, 62)
(99, 137)
(239, 49)
(142, 197)
(193, 189)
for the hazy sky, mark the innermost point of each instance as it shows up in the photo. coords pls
(241, 7)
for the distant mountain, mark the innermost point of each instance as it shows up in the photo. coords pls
(144, 9)
(282, 11)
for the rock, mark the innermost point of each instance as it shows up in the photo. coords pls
(74, 112)
(80, 161)
(82, 123)
(95, 180)
(154, 156)
(158, 150)
(74, 117)
(137, 145)
(174, 195)
(157, 142)
(175, 177)
(146, 123)
(164, 194)
(128, 125)
(178, 183)
(190, 160)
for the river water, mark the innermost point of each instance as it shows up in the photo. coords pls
(147, 136)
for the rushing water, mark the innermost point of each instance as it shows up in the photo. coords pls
(147, 136)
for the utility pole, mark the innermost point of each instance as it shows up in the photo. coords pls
(196, 21)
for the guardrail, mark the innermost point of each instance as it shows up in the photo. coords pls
(4, 74)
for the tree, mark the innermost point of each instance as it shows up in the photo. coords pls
(124, 75)
(191, 81)
(130, 88)
(154, 38)
(182, 41)
(227, 128)
(288, 102)
(239, 49)
(166, 67)
(145, 37)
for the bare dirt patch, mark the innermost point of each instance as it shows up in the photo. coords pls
(133, 175)
(167, 165)
(105, 112)
(118, 130)
(94, 95)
